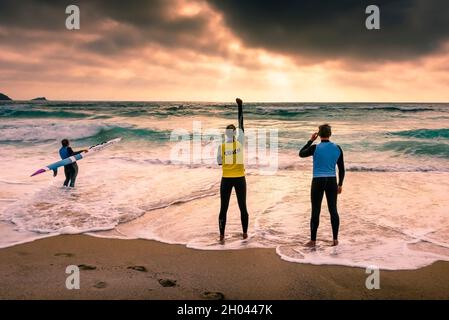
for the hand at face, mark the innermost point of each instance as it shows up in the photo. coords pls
(314, 136)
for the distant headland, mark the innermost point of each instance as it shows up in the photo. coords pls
(4, 97)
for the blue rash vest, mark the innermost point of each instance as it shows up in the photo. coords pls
(64, 152)
(326, 155)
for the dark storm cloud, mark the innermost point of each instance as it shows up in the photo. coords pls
(304, 28)
(336, 28)
(139, 22)
(50, 14)
(150, 21)
(41, 15)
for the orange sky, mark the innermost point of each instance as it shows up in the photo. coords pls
(218, 66)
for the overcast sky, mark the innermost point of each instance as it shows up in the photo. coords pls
(215, 50)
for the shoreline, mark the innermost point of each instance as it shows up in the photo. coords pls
(147, 269)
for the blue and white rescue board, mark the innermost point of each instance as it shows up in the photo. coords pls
(75, 158)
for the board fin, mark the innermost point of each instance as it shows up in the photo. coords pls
(38, 172)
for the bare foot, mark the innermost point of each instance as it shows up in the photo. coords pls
(335, 243)
(245, 236)
(310, 244)
(222, 239)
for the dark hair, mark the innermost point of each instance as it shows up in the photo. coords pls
(230, 129)
(65, 142)
(324, 131)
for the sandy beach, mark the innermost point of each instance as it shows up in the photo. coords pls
(142, 269)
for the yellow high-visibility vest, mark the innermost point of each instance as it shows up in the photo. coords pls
(232, 160)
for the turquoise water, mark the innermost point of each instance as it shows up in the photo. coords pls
(415, 130)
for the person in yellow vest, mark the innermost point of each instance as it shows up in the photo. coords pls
(230, 157)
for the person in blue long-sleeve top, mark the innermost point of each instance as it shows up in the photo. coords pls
(71, 170)
(326, 156)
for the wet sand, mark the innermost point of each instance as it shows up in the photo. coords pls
(142, 269)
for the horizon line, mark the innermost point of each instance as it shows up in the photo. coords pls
(217, 101)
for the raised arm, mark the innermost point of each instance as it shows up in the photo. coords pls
(309, 149)
(241, 135)
(240, 114)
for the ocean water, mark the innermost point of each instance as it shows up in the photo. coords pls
(394, 209)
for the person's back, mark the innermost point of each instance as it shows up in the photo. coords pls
(326, 156)
(325, 159)
(70, 170)
(232, 159)
(64, 152)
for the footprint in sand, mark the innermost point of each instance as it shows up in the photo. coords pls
(86, 267)
(64, 254)
(213, 295)
(138, 268)
(23, 253)
(100, 285)
(167, 282)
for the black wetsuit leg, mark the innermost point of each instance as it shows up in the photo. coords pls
(73, 174)
(320, 186)
(331, 197)
(240, 190)
(67, 173)
(316, 196)
(225, 194)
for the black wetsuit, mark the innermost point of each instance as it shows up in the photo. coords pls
(71, 170)
(325, 182)
(238, 183)
(225, 194)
